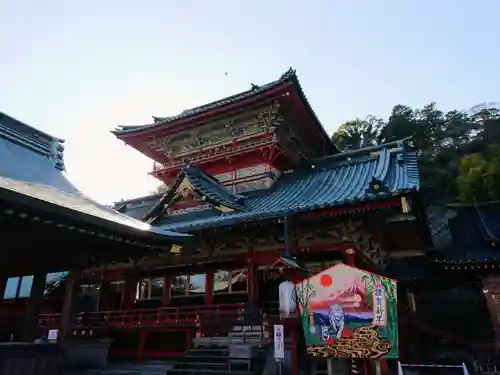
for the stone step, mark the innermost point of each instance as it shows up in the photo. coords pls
(203, 358)
(202, 365)
(221, 351)
(247, 328)
(178, 371)
(128, 368)
(232, 365)
(245, 334)
(187, 364)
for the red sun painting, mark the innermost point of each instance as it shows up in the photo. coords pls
(325, 280)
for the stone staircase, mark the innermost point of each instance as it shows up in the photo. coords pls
(217, 360)
(237, 352)
(128, 368)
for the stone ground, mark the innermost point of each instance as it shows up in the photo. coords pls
(125, 368)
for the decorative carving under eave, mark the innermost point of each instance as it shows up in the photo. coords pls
(377, 187)
(264, 120)
(355, 232)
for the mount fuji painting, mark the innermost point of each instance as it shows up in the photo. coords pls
(349, 312)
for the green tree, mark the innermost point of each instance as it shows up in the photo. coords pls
(162, 189)
(443, 139)
(358, 133)
(479, 176)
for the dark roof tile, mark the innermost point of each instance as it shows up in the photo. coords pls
(210, 188)
(335, 183)
(30, 173)
(206, 107)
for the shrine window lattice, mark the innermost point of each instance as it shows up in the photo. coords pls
(230, 281)
(188, 285)
(20, 287)
(150, 288)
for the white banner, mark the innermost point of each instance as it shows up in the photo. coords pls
(279, 342)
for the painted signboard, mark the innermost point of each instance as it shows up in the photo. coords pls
(349, 312)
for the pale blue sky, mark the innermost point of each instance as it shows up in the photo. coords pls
(77, 68)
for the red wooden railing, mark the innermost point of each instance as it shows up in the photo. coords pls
(185, 315)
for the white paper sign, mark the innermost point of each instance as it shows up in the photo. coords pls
(53, 333)
(379, 306)
(279, 342)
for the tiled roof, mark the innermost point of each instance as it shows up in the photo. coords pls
(475, 231)
(341, 180)
(476, 254)
(437, 219)
(255, 90)
(406, 269)
(289, 76)
(208, 187)
(27, 172)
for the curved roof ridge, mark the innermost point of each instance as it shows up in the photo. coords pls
(347, 186)
(209, 187)
(255, 89)
(31, 128)
(398, 144)
(29, 175)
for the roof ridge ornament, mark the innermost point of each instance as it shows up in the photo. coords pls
(377, 187)
(57, 154)
(288, 74)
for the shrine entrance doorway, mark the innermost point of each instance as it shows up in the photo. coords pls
(268, 281)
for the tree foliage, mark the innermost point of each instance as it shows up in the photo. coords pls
(161, 189)
(479, 176)
(454, 148)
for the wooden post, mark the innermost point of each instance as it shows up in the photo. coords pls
(18, 287)
(209, 286)
(166, 290)
(350, 258)
(31, 326)
(68, 311)
(142, 344)
(128, 293)
(295, 352)
(491, 291)
(252, 283)
(384, 366)
(103, 297)
(3, 285)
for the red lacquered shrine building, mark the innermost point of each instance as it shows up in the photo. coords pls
(253, 177)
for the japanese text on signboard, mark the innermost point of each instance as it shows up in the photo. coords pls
(379, 306)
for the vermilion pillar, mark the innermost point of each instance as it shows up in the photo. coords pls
(209, 286)
(128, 292)
(3, 284)
(350, 257)
(252, 285)
(166, 290)
(103, 299)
